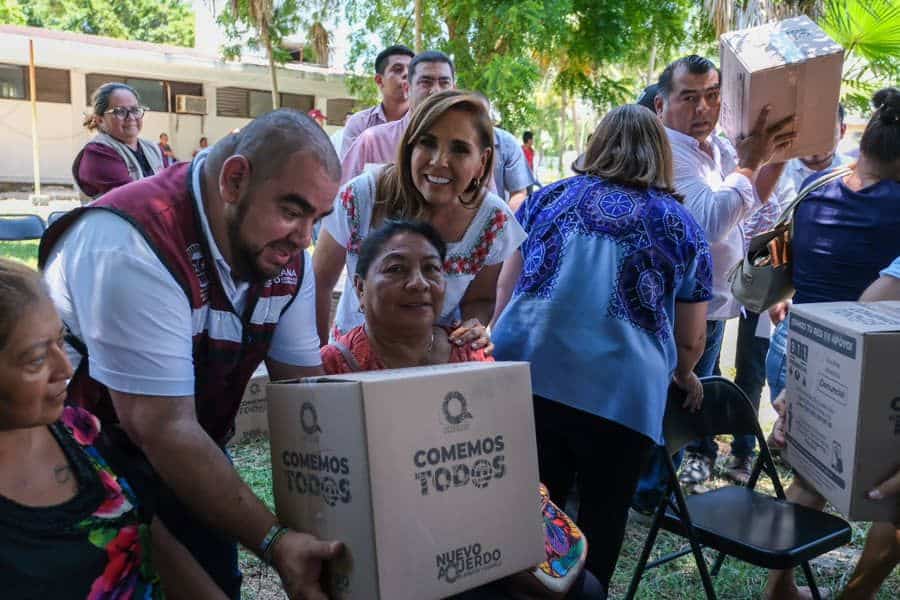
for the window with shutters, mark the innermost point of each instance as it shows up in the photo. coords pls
(232, 102)
(260, 102)
(301, 102)
(158, 95)
(247, 104)
(337, 110)
(52, 85)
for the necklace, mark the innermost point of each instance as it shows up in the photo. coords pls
(428, 348)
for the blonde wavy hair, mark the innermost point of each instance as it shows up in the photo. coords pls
(396, 196)
(630, 147)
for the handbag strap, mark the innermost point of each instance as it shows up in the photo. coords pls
(348, 356)
(788, 213)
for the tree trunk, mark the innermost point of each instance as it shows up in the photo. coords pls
(564, 101)
(418, 9)
(651, 65)
(275, 95)
(576, 138)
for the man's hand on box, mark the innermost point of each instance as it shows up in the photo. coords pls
(760, 145)
(298, 558)
(889, 488)
(776, 438)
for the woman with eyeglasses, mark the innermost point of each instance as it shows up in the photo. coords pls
(116, 155)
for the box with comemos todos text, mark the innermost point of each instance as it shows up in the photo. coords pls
(427, 475)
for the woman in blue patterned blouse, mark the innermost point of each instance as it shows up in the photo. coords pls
(608, 303)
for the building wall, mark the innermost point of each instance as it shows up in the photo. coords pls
(60, 131)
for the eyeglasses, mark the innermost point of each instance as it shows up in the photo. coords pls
(123, 112)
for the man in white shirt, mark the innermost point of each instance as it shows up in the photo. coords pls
(173, 289)
(391, 66)
(721, 185)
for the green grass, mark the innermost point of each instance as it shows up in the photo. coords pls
(23, 251)
(677, 580)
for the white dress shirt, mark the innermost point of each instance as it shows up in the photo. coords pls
(719, 199)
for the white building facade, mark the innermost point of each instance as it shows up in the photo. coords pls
(176, 83)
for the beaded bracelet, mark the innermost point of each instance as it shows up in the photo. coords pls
(268, 543)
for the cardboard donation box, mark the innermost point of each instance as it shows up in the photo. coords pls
(429, 476)
(791, 65)
(251, 420)
(843, 402)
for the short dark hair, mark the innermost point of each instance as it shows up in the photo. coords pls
(430, 56)
(375, 241)
(527, 137)
(648, 97)
(381, 61)
(881, 139)
(695, 65)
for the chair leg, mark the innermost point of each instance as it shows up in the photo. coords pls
(645, 553)
(695, 547)
(704, 572)
(811, 581)
(718, 564)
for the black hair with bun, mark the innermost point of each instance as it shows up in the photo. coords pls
(881, 139)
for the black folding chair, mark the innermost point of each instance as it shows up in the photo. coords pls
(21, 227)
(54, 216)
(737, 521)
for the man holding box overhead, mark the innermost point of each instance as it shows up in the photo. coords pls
(722, 184)
(173, 289)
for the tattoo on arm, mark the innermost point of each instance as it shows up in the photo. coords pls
(62, 474)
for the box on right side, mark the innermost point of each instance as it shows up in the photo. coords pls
(843, 402)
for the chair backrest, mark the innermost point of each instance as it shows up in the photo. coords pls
(21, 227)
(725, 409)
(54, 216)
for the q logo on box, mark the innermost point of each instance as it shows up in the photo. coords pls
(309, 419)
(455, 412)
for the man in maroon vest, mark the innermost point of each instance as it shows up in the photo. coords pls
(173, 289)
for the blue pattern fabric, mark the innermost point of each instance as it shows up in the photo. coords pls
(594, 307)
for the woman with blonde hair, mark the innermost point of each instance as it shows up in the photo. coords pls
(607, 300)
(444, 163)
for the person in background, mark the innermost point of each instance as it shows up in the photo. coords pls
(721, 185)
(203, 145)
(844, 233)
(391, 67)
(165, 149)
(70, 525)
(754, 329)
(615, 272)
(337, 138)
(318, 116)
(528, 152)
(647, 99)
(173, 290)
(444, 161)
(117, 154)
(429, 72)
(511, 174)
